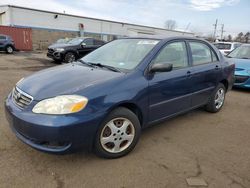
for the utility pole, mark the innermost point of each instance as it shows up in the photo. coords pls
(222, 31)
(215, 28)
(186, 28)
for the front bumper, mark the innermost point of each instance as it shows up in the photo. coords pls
(54, 134)
(55, 55)
(242, 80)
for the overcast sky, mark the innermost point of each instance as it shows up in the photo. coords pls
(201, 14)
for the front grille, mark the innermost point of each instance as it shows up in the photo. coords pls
(241, 79)
(20, 98)
(50, 51)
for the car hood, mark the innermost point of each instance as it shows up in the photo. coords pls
(64, 79)
(242, 63)
(62, 45)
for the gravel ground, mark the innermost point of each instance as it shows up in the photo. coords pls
(212, 147)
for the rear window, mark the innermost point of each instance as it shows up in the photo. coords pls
(223, 46)
(98, 42)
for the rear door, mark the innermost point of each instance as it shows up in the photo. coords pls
(169, 91)
(98, 43)
(205, 72)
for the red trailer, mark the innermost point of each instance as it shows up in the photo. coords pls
(21, 36)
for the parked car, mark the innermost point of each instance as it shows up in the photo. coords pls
(102, 101)
(227, 47)
(73, 49)
(241, 57)
(7, 44)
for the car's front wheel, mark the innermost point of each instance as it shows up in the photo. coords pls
(217, 99)
(118, 134)
(69, 57)
(9, 49)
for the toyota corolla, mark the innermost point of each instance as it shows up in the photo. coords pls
(104, 100)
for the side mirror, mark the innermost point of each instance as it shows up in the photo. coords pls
(161, 67)
(83, 44)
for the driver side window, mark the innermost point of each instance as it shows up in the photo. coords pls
(174, 53)
(89, 42)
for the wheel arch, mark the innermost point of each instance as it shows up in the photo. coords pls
(225, 83)
(71, 51)
(7, 45)
(132, 107)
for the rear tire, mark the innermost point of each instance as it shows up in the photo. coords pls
(118, 134)
(9, 49)
(69, 57)
(217, 99)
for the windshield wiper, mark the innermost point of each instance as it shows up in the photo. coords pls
(86, 63)
(106, 66)
(245, 58)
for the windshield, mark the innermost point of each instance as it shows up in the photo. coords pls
(242, 52)
(122, 54)
(61, 41)
(75, 41)
(223, 46)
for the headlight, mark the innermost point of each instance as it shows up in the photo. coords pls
(59, 49)
(65, 104)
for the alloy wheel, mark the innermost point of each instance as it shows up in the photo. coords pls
(117, 135)
(9, 49)
(70, 58)
(219, 98)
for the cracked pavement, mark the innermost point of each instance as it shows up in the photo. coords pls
(214, 147)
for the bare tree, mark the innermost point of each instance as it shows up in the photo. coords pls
(229, 38)
(170, 24)
(247, 37)
(239, 37)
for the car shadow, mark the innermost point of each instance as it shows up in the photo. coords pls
(243, 90)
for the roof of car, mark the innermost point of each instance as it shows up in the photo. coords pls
(227, 43)
(164, 37)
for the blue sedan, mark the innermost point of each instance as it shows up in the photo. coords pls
(241, 58)
(104, 100)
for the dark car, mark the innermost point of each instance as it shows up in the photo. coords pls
(104, 100)
(7, 44)
(73, 49)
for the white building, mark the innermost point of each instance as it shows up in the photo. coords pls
(49, 26)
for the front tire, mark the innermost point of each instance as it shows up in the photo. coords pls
(217, 99)
(69, 57)
(9, 49)
(118, 134)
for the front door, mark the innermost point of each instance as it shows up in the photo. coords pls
(169, 91)
(86, 46)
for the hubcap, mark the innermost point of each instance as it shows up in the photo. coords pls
(9, 50)
(117, 135)
(219, 98)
